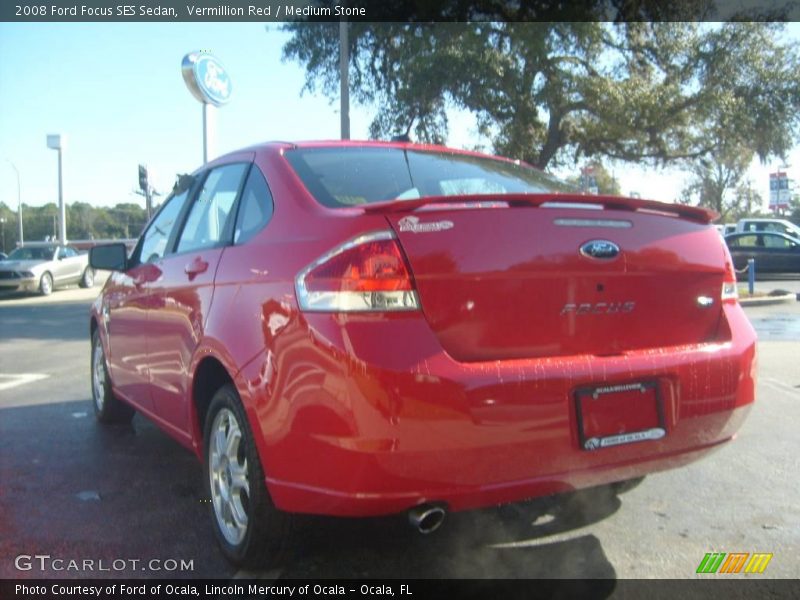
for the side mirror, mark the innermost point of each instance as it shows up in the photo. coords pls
(109, 257)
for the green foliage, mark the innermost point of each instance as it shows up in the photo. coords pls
(717, 182)
(550, 93)
(84, 222)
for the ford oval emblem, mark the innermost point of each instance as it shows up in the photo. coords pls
(600, 249)
(206, 78)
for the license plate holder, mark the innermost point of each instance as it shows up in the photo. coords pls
(613, 415)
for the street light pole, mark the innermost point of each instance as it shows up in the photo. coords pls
(62, 210)
(19, 203)
(56, 142)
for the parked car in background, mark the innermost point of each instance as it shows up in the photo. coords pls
(768, 225)
(725, 228)
(772, 252)
(41, 267)
(364, 328)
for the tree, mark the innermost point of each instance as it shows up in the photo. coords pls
(84, 221)
(551, 93)
(714, 178)
(794, 210)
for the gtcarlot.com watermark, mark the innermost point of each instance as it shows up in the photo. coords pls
(46, 562)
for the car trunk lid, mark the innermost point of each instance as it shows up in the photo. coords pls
(525, 277)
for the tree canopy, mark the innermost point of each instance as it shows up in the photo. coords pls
(655, 93)
(84, 221)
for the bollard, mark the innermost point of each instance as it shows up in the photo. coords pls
(751, 274)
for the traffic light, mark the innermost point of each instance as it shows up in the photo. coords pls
(143, 182)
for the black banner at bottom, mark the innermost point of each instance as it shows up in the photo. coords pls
(411, 589)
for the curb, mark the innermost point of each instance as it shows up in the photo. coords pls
(767, 300)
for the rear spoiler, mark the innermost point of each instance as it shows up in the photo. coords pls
(692, 213)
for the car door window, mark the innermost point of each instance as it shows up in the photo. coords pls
(255, 207)
(156, 238)
(209, 217)
(774, 241)
(744, 241)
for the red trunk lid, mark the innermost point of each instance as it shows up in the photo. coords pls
(512, 282)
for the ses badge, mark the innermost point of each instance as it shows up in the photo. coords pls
(206, 78)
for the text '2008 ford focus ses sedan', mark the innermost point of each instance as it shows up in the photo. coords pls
(358, 328)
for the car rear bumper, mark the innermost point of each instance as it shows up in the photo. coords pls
(346, 426)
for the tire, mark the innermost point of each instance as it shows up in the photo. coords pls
(249, 529)
(87, 279)
(108, 408)
(46, 284)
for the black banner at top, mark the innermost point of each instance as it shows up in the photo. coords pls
(394, 10)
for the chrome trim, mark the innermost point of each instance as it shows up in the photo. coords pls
(587, 250)
(613, 223)
(704, 301)
(595, 443)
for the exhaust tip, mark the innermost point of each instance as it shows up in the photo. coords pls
(426, 518)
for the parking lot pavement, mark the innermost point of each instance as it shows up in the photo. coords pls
(789, 283)
(71, 293)
(76, 490)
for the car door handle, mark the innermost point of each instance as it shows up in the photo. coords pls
(194, 268)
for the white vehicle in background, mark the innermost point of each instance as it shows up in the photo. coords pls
(768, 225)
(40, 267)
(725, 228)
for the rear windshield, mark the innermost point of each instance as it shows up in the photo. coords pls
(351, 176)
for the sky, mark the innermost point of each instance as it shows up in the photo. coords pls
(115, 92)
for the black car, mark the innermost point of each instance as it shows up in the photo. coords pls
(773, 252)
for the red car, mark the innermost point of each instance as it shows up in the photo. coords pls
(365, 328)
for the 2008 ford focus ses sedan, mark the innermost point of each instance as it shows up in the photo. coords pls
(365, 328)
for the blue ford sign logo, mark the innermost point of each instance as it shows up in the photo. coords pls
(206, 78)
(601, 249)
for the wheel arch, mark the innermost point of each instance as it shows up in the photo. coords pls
(210, 374)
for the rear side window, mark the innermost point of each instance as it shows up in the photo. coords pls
(351, 176)
(255, 207)
(154, 242)
(743, 241)
(208, 219)
(776, 241)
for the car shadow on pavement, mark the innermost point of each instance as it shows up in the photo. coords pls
(78, 489)
(75, 489)
(539, 538)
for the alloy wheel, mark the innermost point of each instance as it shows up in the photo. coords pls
(228, 476)
(99, 376)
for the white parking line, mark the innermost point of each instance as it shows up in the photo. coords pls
(10, 381)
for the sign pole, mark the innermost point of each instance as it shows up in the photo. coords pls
(205, 133)
(210, 84)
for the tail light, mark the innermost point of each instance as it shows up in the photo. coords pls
(730, 290)
(365, 274)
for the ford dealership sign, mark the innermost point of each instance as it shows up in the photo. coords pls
(206, 78)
